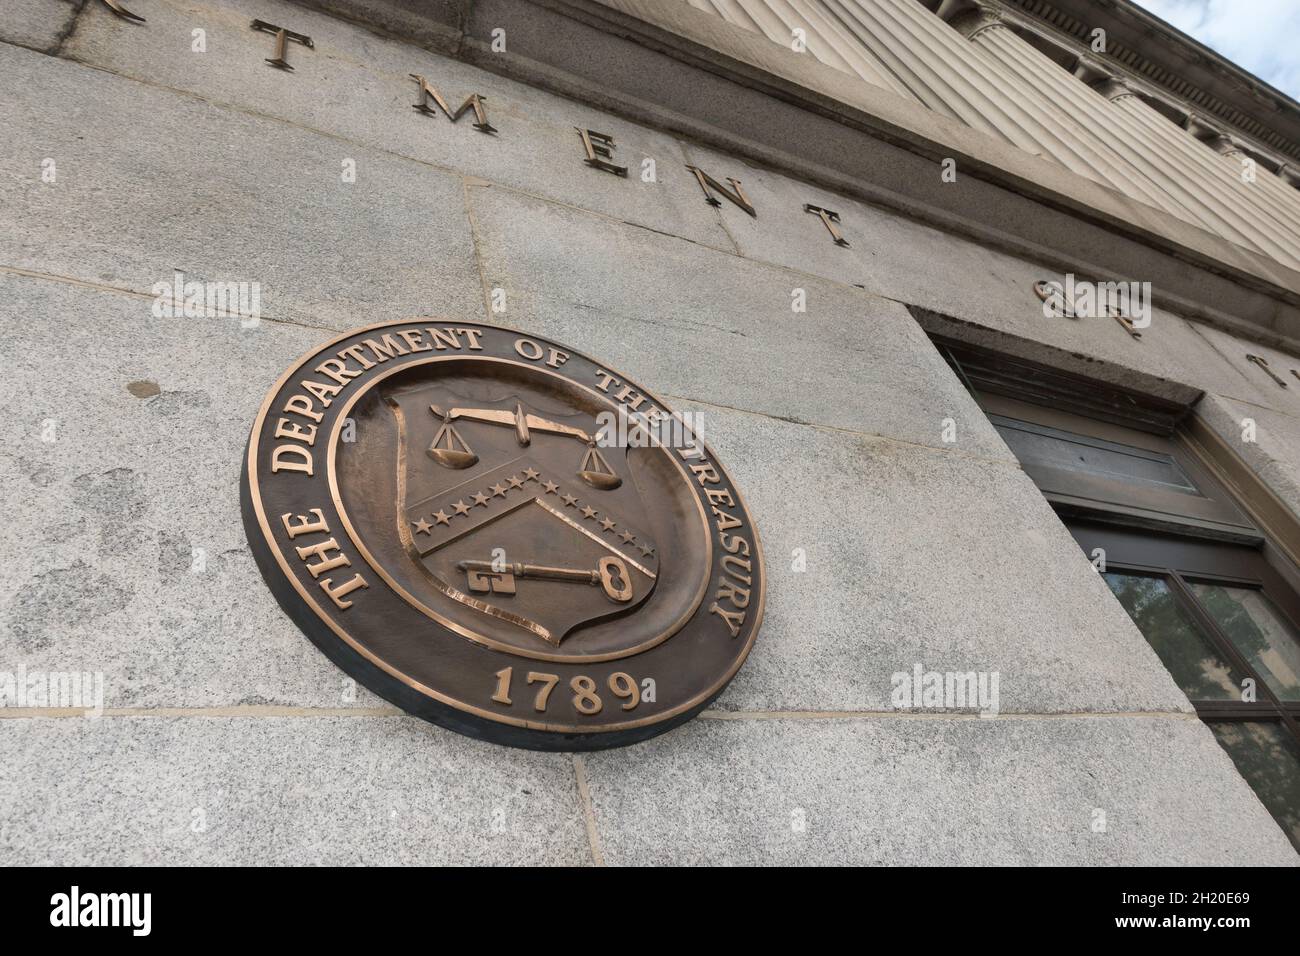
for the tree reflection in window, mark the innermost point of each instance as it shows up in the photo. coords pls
(1193, 662)
(1268, 758)
(1265, 638)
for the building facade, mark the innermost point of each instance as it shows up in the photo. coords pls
(992, 310)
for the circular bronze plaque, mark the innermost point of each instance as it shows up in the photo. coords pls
(501, 535)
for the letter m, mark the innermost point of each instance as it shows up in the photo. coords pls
(474, 102)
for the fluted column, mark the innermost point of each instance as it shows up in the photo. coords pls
(1170, 160)
(1243, 210)
(1138, 169)
(832, 33)
(827, 41)
(924, 59)
(1281, 199)
(1171, 176)
(960, 79)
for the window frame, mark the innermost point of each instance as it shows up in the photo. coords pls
(1209, 512)
(1267, 707)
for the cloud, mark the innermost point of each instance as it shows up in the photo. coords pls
(1262, 36)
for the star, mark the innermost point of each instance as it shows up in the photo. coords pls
(421, 526)
(570, 500)
(551, 488)
(646, 550)
(627, 536)
(607, 524)
(442, 518)
(499, 489)
(481, 499)
(589, 512)
(461, 508)
(530, 474)
(516, 481)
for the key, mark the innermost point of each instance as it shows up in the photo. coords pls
(610, 573)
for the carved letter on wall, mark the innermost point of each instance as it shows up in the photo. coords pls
(600, 148)
(738, 197)
(474, 102)
(282, 37)
(829, 217)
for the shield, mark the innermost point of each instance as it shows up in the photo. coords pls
(519, 514)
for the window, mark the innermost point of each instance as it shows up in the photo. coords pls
(1223, 622)
(1089, 468)
(1216, 596)
(1037, 445)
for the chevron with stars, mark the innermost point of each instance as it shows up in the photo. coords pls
(440, 519)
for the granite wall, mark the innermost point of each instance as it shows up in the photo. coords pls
(226, 737)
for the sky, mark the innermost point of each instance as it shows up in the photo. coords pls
(1262, 36)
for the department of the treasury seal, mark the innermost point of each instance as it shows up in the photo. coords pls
(502, 535)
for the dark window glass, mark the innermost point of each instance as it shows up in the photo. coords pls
(1189, 655)
(1269, 759)
(1263, 636)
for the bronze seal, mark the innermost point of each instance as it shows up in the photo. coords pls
(502, 535)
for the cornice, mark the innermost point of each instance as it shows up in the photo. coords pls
(1193, 74)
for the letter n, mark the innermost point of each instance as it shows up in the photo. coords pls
(738, 197)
